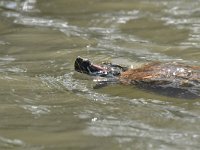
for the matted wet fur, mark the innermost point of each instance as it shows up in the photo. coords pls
(170, 79)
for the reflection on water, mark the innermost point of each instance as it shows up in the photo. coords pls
(46, 105)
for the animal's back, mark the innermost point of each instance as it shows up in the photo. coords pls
(175, 78)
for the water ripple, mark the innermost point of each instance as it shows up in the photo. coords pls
(78, 87)
(5, 142)
(132, 130)
(137, 129)
(29, 6)
(26, 6)
(48, 23)
(183, 16)
(8, 4)
(7, 60)
(116, 18)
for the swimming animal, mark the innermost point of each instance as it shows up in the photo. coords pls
(170, 78)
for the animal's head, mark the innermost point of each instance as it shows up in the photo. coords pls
(85, 66)
(82, 65)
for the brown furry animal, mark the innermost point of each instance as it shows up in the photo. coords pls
(171, 79)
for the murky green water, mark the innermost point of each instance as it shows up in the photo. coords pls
(45, 105)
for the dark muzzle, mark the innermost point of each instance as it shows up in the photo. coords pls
(106, 70)
(81, 65)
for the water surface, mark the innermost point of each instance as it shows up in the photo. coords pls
(45, 105)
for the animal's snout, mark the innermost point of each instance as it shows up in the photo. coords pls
(81, 65)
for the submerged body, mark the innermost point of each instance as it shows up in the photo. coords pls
(171, 79)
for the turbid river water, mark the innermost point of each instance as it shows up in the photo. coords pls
(45, 105)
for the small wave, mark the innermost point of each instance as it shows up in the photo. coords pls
(7, 60)
(3, 43)
(26, 6)
(143, 54)
(183, 16)
(126, 131)
(29, 6)
(42, 22)
(37, 110)
(116, 18)
(5, 142)
(125, 127)
(48, 23)
(9, 5)
(78, 87)
(13, 69)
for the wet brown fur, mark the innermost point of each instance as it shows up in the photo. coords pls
(145, 72)
(157, 73)
(170, 79)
